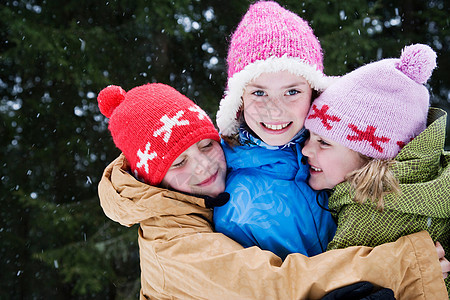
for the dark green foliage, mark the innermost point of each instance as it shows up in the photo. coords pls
(56, 56)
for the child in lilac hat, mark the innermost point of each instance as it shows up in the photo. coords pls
(370, 142)
(275, 67)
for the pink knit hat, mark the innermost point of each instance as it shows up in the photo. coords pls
(268, 39)
(378, 108)
(152, 125)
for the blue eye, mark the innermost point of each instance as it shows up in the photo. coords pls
(259, 93)
(292, 92)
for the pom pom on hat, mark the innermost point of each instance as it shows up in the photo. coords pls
(417, 62)
(152, 125)
(109, 98)
(376, 110)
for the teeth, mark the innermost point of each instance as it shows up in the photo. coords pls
(276, 127)
(316, 169)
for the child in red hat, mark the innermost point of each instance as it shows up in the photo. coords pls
(166, 138)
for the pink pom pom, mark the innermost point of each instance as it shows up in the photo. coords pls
(417, 62)
(109, 98)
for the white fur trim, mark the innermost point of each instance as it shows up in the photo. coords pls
(230, 104)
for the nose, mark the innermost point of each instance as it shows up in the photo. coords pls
(274, 107)
(201, 164)
(307, 149)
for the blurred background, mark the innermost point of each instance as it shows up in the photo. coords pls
(55, 56)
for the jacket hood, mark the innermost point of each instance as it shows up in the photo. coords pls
(128, 201)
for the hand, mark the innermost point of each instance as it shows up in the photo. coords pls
(445, 264)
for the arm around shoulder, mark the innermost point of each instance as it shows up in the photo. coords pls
(211, 266)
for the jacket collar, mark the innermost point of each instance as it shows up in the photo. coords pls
(248, 138)
(128, 201)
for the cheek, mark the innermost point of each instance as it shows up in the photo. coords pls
(340, 175)
(218, 156)
(301, 109)
(333, 166)
(343, 168)
(251, 112)
(297, 112)
(177, 179)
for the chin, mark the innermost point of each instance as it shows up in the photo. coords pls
(221, 190)
(217, 193)
(277, 142)
(316, 186)
(209, 193)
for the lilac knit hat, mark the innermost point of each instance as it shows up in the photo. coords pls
(378, 108)
(268, 39)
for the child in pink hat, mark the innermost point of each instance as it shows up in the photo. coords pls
(275, 66)
(371, 144)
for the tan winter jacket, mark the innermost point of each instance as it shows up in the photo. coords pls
(183, 258)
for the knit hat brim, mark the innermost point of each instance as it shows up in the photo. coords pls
(227, 115)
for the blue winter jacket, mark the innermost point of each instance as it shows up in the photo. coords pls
(271, 204)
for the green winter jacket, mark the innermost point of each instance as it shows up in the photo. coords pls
(423, 170)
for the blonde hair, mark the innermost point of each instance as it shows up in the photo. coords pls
(373, 181)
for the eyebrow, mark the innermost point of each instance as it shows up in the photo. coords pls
(314, 134)
(290, 85)
(294, 85)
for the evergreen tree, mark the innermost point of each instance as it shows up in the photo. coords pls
(54, 59)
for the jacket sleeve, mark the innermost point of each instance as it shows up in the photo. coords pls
(211, 266)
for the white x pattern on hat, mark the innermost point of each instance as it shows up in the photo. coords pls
(201, 113)
(145, 156)
(169, 123)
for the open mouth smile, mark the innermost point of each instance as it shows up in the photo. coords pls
(316, 169)
(276, 127)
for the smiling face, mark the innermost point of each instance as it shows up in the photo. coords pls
(276, 105)
(201, 170)
(329, 162)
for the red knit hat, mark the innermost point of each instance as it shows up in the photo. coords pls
(152, 125)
